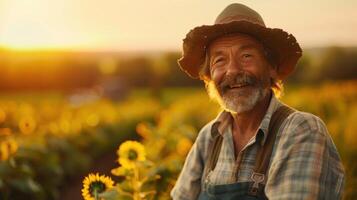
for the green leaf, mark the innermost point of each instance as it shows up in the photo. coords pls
(110, 195)
(26, 185)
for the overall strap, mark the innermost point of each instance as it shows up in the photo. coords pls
(214, 149)
(264, 153)
(215, 144)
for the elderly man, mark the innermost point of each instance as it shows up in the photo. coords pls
(258, 147)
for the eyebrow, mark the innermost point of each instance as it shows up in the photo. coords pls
(241, 48)
(215, 53)
(248, 46)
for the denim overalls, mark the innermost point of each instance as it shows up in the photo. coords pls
(253, 190)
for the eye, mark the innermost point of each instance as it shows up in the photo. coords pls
(246, 55)
(218, 60)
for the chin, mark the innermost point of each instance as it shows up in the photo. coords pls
(236, 103)
(238, 108)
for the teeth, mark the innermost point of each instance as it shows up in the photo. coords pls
(238, 85)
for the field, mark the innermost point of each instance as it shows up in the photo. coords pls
(47, 139)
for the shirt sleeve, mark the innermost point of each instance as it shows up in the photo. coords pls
(188, 185)
(306, 164)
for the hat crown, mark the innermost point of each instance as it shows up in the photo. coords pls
(239, 12)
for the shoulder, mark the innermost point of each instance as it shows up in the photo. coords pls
(303, 122)
(305, 148)
(205, 132)
(313, 128)
(301, 133)
(306, 132)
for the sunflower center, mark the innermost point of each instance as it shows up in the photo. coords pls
(96, 187)
(132, 155)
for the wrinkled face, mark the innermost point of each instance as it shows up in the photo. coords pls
(240, 72)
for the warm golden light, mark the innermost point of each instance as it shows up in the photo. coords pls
(160, 24)
(40, 24)
(25, 36)
(29, 39)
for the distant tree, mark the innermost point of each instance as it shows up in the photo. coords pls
(339, 63)
(303, 72)
(176, 77)
(136, 71)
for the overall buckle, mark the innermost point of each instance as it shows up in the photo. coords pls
(256, 178)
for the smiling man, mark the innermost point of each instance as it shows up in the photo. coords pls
(258, 147)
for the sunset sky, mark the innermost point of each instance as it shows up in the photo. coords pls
(161, 24)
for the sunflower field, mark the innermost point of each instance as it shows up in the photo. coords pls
(148, 170)
(44, 141)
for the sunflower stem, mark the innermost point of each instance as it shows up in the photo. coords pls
(136, 185)
(95, 195)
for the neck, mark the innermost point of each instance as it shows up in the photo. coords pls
(248, 122)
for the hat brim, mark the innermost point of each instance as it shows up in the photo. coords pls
(282, 44)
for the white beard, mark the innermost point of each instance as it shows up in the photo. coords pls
(236, 101)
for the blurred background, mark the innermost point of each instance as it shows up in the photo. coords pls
(78, 77)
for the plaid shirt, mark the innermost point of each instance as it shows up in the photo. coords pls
(304, 164)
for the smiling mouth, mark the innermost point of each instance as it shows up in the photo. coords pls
(238, 86)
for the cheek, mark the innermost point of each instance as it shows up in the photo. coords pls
(217, 75)
(264, 77)
(261, 70)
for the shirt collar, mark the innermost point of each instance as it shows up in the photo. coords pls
(224, 119)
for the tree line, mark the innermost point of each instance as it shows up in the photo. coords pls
(68, 71)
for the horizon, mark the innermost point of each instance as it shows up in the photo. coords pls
(140, 51)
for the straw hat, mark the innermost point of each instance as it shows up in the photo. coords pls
(238, 18)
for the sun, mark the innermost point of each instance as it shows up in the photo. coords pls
(27, 25)
(28, 37)
(23, 38)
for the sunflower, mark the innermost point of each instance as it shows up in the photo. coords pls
(131, 152)
(7, 149)
(2, 115)
(12, 146)
(4, 152)
(94, 184)
(183, 146)
(5, 132)
(27, 125)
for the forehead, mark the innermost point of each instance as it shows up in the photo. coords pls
(237, 40)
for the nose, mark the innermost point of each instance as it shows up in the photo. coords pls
(233, 66)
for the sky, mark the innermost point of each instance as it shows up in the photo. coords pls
(107, 25)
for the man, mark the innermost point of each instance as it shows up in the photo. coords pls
(258, 147)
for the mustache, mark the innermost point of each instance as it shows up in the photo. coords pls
(239, 79)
